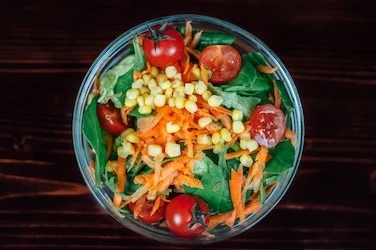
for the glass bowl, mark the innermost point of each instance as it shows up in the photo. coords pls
(113, 54)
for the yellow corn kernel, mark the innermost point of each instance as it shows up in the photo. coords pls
(238, 127)
(176, 83)
(132, 93)
(204, 139)
(154, 71)
(190, 106)
(218, 148)
(200, 87)
(215, 101)
(140, 100)
(146, 78)
(152, 83)
(189, 88)
(206, 95)
(161, 78)
(133, 138)
(154, 150)
(172, 149)
(237, 115)
(171, 102)
(130, 102)
(146, 109)
(204, 121)
(128, 148)
(171, 71)
(126, 132)
(192, 98)
(168, 92)
(172, 127)
(165, 84)
(196, 70)
(245, 135)
(216, 138)
(180, 102)
(137, 84)
(252, 145)
(225, 134)
(246, 160)
(144, 90)
(149, 100)
(156, 90)
(160, 100)
(178, 94)
(178, 76)
(243, 143)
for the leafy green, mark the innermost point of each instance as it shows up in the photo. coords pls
(283, 156)
(93, 134)
(215, 181)
(286, 101)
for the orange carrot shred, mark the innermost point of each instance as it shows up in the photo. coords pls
(236, 154)
(204, 74)
(121, 174)
(195, 40)
(193, 52)
(235, 184)
(148, 68)
(266, 69)
(277, 96)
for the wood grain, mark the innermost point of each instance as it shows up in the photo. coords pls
(45, 50)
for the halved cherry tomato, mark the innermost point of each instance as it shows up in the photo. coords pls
(187, 215)
(145, 215)
(224, 61)
(268, 125)
(163, 46)
(110, 118)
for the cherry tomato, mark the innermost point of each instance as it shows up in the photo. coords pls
(144, 213)
(224, 61)
(110, 118)
(268, 125)
(163, 46)
(187, 215)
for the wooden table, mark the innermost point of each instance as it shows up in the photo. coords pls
(45, 49)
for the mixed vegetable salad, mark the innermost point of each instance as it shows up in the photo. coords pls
(187, 132)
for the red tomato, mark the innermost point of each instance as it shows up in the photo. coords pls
(187, 215)
(110, 118)
(268, 125)
(145, 215)
(163, 46)
(224, 61)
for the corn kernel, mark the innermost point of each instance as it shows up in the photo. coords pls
(245, 135)
(149, 100)
(160, 100)
(133, 138)
(180, 102)
(146, 109)
(137, 84)
(171, 102)
(140, 100)
(218, 148)
(178, 76)
(154, 150)
(171, 71)
(165, 84)
(200, 87)
(192, 98)
(238, 127)
(189, 88)
(144, 90)
(243, 143)
(168, 92)
(146, 78)
(132, 93)
(215, 101)
(130, 102)
(156, 90)
(196, 71)
(126, 132)
(204, 121)
(172, 149)
(216, 138)
(206, 95)
(172, 127)
(152, 83)
(125, 149)
(161, 78)
(252, 145)
(178, 94)
(237, 115)
(190, 106)
(225, 134)
(204, 139)
(154, 71)
(246, 160)
(176, 83)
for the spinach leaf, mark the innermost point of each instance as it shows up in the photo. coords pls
(286, 101)
(216, 189)
(283, 156)
(93, 134)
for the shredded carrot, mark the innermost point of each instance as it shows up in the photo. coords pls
(235, 184)
(266, 69)
(188, 33)
(204, 74)
(277, 96)
(289, 134)
(219, 219)
(189, 181)
(121, 175)
(158, 202)
(226, 121)
(195, 40)
(197, 147)
(236, 154)
(136, 75)
(252, 206)
(231, 220)
(192, 52)
(148, 68)
(124, 111)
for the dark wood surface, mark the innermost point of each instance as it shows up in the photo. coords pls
(46, 47)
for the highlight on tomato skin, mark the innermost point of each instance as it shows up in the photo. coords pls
(268, 125)
(224, 62)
